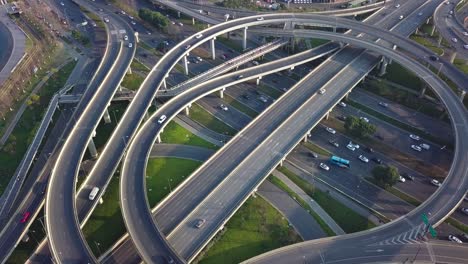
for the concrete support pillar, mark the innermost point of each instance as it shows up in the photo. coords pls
(292, 68)
(383, 67)
(433, 30)
(213, 48)
(258, 80)
(347, 95)
(453, 56)
(107, 118)
(187, 111)
(164, 84)
(281, 162)
(94, 133)
(193, 21)
(129, 71)
(327, 115)
(305, 139)
(244, 39)
(186, 65)
(146, 117)
(178, 14)
(120, 88)
(423, 91)
(428, 21)
(292, 42)
(439, 41)
(137, 37)
(158, 139)
(208, 25)
(462, 95)
(92, 149)
(221, 93)
(417, 31)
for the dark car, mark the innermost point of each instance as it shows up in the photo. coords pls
(313, 155)
(370, 150)
(246, 96)
(342, 118)
(379, 137)
(407, 176)
(377, 160)
(434, 58)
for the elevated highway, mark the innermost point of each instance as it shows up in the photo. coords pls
(379, 50)
(449, 27)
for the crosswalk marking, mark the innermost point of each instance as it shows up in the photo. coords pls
(409, 237)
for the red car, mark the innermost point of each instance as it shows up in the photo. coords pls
(25, 217)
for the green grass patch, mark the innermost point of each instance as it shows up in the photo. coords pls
(165, 174)
(461, 65)
(229, 43)
(106, 225)
(398, 74)
(203, 117)
(425, 42)
(315, 42)
(145, 46)
(346, 218)
(176, 134)
(256, 228)
(317, 149)
(240, 106)
(132, 81)
(22, 135)
(270, 91)
(397, 123)
(138, 66)
(303, 204)
(457, 224)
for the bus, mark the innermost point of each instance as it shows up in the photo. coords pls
(340, 162)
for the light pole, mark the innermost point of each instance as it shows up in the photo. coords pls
(440, 68)
(97, 245)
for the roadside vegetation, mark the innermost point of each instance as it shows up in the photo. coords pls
(256, 228)
(22, 135)
(385, 176)
(346, 218)
(156, 19)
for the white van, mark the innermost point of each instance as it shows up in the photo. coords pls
(93, 193)
(425, 146)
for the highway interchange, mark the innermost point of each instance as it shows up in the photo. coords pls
(245, 152)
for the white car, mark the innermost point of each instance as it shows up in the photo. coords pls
(225, 108)
(465, 46)
(455, 239)
(464, 210)
(125, 37)
(351, 147)
(198, 36)
(425, 146)
(180, 24)
(465, 33)
(199, 59)
(416, 147)
(162, 119)
(401, 17)
(455, 40)
(187, 47)
(415, 137)
(436, 182)
(322, 91)
(133, 22)
(365, 119)
(447, 3)
(324, 166)
(330, 130)
(363, 158)
(260, 19)
(420, 14)
(342, 104)
(106, 20)
(397, 6)
(62, 4)
(130, 45)
(401, 179)
(383, 104)
(356, 146)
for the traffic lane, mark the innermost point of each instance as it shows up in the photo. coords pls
(275, 116)
(417, 119)
(400, 139)
(354, 186)
(420, 188)
(297, 216)
(232, 117)
(251, 171)
(246, 95)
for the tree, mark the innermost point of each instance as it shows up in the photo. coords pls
(358, 127)
(385, 176)
(154, 18)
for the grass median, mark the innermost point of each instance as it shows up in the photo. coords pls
(317, 149)
(346, 218)
(303, 204)
(206, 119)
(23, 133)
(106, 225)
(176, 134)
(256, 228)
